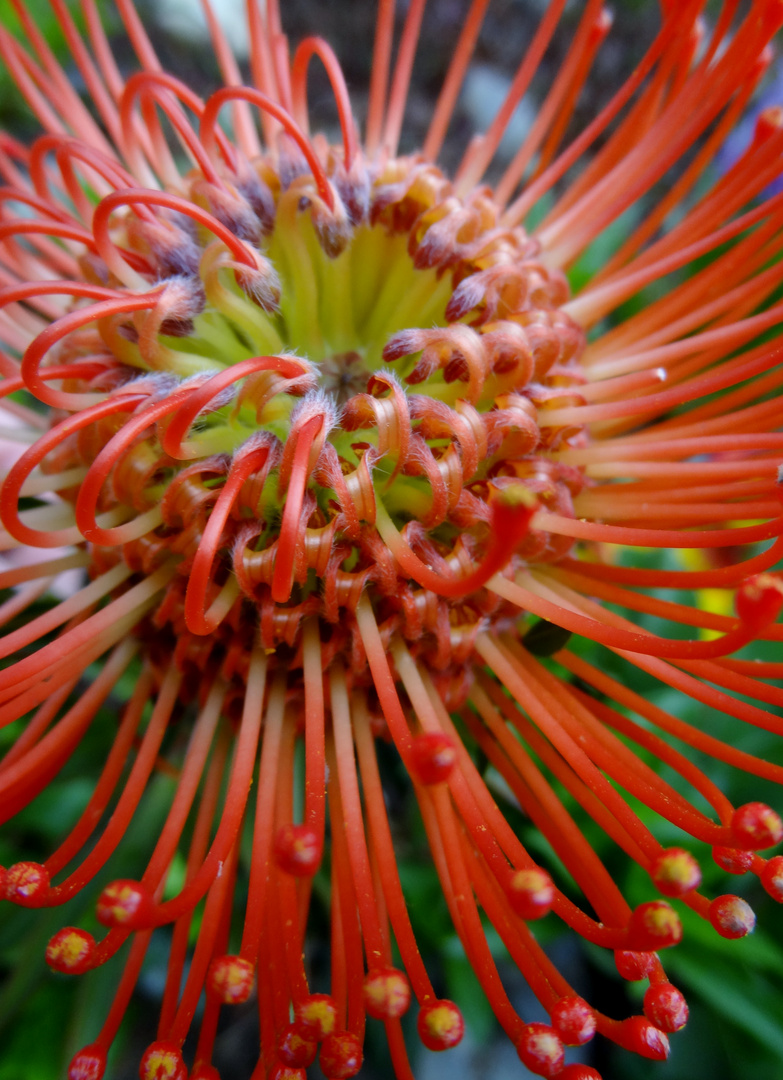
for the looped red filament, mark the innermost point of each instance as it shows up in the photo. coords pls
(197, 618)
(305, 51)
(89, 493)
(177, 428)
(282, 580)
(159, 85)
(11, 490)
(216, 102)
(143, 197)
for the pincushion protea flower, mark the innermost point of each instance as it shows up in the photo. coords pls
(328, 434)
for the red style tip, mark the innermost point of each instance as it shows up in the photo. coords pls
(162, 1061)
(654, 925)
(573, 1020)
(634, 966)
(665, 1007)
(440, 1025)
(732, 916)
(577, 1071)
(294, 1050)
(287, 1072)
(125, 903)
(759, 600)
(639, 1036)
(733, 860)
(602, 25)
(341, 1055)
(26, 884)
(675, 872)
(771, 878)
(432, 758)
(387, 994)
(540, 1050)
(230, 979)
(512, 511)
(70, 951)
(316, 1016)
(756, 826)
(88, 1064)
(768, 123)
(298, 850)
(531, 893)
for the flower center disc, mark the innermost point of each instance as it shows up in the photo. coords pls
(331, 422)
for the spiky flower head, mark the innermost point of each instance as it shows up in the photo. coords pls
(340, 462)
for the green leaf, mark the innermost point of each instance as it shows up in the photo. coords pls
(545, 638)
(735, 994)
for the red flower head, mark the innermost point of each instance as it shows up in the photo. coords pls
(315, 464)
